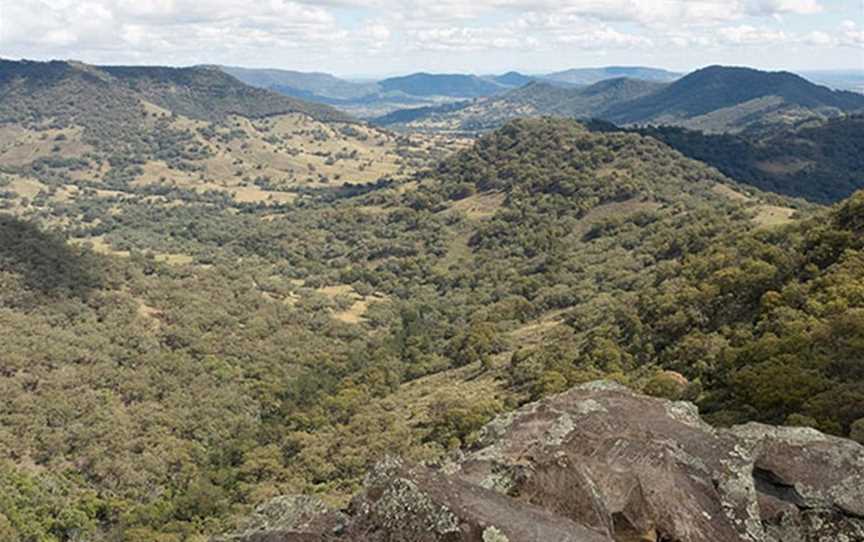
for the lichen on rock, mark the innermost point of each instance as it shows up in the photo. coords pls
(601, 463)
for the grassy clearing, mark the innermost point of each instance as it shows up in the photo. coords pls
(773, 215)
(480, 206)
(729, 192)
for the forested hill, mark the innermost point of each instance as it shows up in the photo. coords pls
(63, 90)
(727, 99)
(174, 359)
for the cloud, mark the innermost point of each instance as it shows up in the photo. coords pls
(462, 39)
(851, 35)
(751, 35)
(316, 34)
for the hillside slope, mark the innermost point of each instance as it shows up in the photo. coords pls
(36, 89)
(146, 131)
(817, 160)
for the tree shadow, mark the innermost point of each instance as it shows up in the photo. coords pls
(45, 262)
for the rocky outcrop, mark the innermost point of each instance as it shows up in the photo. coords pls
(602, 463)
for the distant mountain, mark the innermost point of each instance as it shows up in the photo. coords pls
(852, 80)
(728, 99)
(716, 99)
(512, 79)
(532, 100)
(450, 85)
(314, 86)
(588, 76)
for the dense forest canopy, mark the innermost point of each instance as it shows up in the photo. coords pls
(822, 161)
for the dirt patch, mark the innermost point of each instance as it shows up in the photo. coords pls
(356, 312)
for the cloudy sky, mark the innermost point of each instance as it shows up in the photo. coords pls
(382, 37)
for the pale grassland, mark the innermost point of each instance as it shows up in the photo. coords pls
(763, 215)
(730, 193)
(772, 215)
(20, 146)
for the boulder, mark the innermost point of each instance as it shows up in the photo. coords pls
(601, 463)
(649, 469)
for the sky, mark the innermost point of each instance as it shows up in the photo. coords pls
(376, 38)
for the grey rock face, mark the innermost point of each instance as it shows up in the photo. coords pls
(600, 463)
(642, 468)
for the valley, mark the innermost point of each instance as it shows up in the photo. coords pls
(213, 295)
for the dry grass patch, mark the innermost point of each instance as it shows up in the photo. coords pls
(100, 246)
(729, 192)
(20, 146)
(534, 332)
(24, 187)
(773, 215)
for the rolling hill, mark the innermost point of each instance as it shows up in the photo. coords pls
(165, 334)
(420, 90)
(512, 79)
(129, 132)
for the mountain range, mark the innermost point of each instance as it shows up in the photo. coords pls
(713, 99)
(378, 98)
(422, 89)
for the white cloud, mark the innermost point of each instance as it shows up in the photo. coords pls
(751, 35)
(851, 35)
(319, 34)
(819, 38)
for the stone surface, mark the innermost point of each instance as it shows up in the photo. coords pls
(602, 463)
(649, 469)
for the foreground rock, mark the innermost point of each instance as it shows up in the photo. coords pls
(601, 463)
